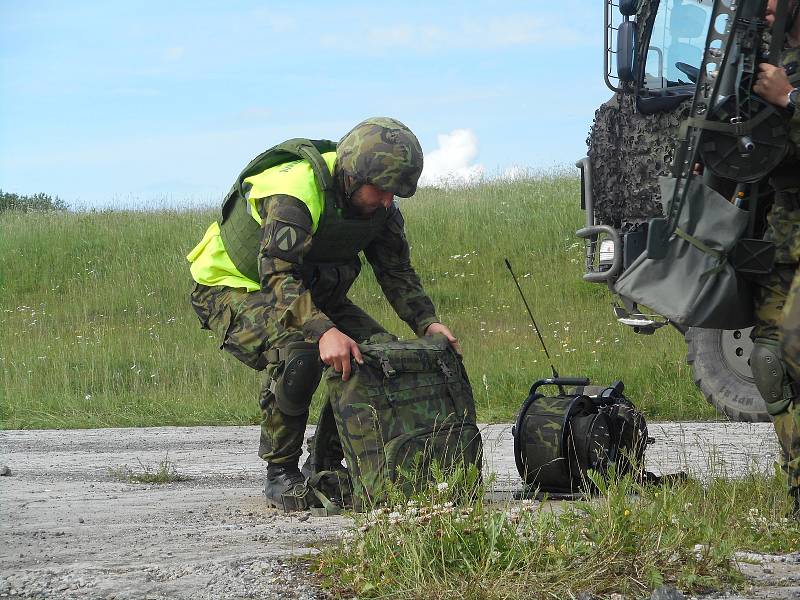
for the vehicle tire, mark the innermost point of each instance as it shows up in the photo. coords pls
(720, 360)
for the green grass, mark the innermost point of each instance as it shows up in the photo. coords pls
(96, 329)
(165, 472)
(627, 541)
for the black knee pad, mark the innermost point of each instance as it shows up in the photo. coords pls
(298, 379)
(770, 376)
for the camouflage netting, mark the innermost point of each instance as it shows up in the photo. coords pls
(629, 151)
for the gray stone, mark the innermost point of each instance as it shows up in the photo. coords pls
(667, 592)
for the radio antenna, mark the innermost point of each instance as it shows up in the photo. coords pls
(535, 326)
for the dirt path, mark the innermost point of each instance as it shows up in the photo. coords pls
(71, 530)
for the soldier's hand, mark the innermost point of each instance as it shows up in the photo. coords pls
(443, 329)
(335, 350)
(773, 85)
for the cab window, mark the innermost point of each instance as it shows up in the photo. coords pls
(676, 45)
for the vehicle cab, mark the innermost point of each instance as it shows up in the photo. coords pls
(653, 53)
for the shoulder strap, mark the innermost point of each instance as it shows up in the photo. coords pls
(310, 150)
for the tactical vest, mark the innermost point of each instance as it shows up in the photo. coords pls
(332, 264)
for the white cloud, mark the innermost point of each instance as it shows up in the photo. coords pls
(492, 33)
(135, 92)
(277, 23)
(524, 30)
(174, 53)
(453, 162)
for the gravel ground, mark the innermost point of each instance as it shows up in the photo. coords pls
(71, 529)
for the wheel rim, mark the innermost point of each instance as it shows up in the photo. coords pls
(736, 346)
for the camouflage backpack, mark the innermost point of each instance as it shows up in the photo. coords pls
(408, 405)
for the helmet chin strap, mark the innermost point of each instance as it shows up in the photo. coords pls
(349, 189)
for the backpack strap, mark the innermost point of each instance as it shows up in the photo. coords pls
(321, 479)
(328, 507)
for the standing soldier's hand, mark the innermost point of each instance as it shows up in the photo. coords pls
(773, 85)
(335, 350)
(440, 328)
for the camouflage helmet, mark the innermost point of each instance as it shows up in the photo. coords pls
(383, 152)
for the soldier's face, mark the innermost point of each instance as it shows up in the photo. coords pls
(770, 12)
(368, 198)
(769, 17)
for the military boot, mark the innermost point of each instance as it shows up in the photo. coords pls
(285, 487)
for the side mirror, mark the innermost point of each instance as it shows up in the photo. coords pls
(628, 7)
(626, 50)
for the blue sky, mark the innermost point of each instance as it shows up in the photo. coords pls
(130, 103)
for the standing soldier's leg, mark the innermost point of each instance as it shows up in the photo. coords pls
(772, 373)
(790, 327)
(790, 350)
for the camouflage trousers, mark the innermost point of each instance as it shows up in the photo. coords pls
(245, 328)
(790, 329)
(778, 318)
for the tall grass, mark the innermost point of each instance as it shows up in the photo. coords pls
(96, 328)
(625, 542)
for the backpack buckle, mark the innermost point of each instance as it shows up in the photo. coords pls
(388, 370)
(448, 374)
(791, 390)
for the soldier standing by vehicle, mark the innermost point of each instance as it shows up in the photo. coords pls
(775, 359)
(273, 275)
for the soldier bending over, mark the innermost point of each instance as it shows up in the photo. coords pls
(273, 277)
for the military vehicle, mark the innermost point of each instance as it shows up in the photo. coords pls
(654, 50)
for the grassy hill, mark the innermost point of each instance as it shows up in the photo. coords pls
(96, 329)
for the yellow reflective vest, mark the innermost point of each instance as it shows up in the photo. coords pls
(210, 263)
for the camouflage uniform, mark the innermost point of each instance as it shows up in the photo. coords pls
(776, 294)
(299, 300)
(790, 328)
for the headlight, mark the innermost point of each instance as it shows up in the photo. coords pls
(606, 251)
